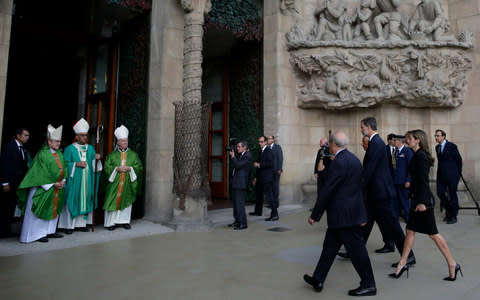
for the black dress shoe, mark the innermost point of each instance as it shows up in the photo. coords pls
(111, 228)
(271, 219)
(82, 229)
(363, 291)
(344, 255)
(240, 227)
(253, 213)
(43, 240)
(55, 236)
(452, 220)
(445, 219)
(127, 226)
(410, 262)
(234, 224)
(317, 286)
(68, 231)
(385, 249)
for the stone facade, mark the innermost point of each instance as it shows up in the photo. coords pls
(299, 129)
(5, 28)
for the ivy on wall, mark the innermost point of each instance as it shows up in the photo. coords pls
(241, 17)
(136, 5)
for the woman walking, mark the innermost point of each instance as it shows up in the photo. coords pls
(422, 218)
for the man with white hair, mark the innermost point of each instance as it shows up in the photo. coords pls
(124, 172)
(342, 198)
(41, 192)
(79, 190)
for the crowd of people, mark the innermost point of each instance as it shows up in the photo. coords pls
(59, 189)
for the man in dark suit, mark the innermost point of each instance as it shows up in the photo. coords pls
(264, 180)
(379, 188)
(277, 166)
(391, 151)
(323, 158)
(448, 175)
(14, 166)
(401, 177)
(342, 198)
(242, 165)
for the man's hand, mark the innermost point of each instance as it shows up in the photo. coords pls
(407, 185)
(97, 156)
(316, 175)
(231, 153)
(311, 221)
(421, 207)
(254, 181)
(81, 164)
(6, 188)
(256, 165)
(279, 172)
(320, 166)
(59, 185)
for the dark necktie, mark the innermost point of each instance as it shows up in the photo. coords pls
(394, 158)
(21, 151)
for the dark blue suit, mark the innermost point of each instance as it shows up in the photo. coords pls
(241, 173)
(342, 198)
(277, 166)
(400, 176)
(265, 179)
(448, 175)
(380, 192)
(13, 168)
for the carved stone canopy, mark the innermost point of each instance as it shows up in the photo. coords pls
(378, 57)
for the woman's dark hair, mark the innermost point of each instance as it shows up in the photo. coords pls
(419, 134)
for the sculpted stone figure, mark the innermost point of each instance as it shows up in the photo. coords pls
(333, 22)
(287, 7)
(362, 17)
(429, 19)
(390, 16)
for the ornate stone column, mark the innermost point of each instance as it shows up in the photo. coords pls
(190, 212)
(5, 28)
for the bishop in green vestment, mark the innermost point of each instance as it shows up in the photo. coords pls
(80, 192)
(123, 169)
(41, 192)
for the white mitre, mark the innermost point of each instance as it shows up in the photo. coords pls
(121, 132)
(54, 133)
(81, 126)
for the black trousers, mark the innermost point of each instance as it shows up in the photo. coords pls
(276, 189)
(239, 197)
(265, 189)
(381, 211)
(7, 209)
(352, 239)
(450, 202)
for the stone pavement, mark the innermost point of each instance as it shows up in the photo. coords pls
(257, 263)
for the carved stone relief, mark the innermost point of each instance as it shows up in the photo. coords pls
(377, 55)
(288, 8)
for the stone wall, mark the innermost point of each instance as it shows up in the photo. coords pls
(165, 87)
(299, 130)
(5, 28)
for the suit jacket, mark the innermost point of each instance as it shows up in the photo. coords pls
(265, 173)
(342, 196)
(377, 178)
(389, 156)
(241, 172)
(420, 192)
(322, 176)
(277, 158)
(401, 173)
(449, 162)
(13, 166)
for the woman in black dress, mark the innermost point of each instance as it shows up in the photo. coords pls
(422, 218)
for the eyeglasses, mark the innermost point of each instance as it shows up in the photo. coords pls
(437, 135)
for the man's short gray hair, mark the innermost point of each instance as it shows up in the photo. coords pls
(340, 138)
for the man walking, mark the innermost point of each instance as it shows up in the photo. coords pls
(448, 175)
(241, 172)
(401, 177)
(342, 198)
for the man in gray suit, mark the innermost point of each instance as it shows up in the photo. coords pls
(277, 165)
(242, 163)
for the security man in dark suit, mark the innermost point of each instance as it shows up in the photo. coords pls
(401, 176)
(242, 163)
(323, 158)
(14, 166)
(380, 191)
(448, 175)
(342, 198)
(264, 180)
(390, 148)
(277, 166)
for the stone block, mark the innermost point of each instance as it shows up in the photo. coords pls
(289, 115)
(271, 8)
(159, 201)
(3, 59)
(471, 24)
(172, 73)
(174, 41)
(271, 76)
(461, 9)
(5, 28)
(317, 133)
(394, 115)
(6, 7)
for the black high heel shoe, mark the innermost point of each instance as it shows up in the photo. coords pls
(457, 269)
(396, 276)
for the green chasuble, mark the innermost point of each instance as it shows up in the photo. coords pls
(47, 205)
(118, 196)
(79, 193)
